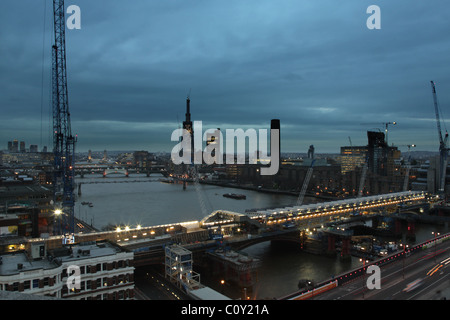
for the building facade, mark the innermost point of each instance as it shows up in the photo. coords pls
(104, 271)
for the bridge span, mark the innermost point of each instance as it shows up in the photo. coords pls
(240, 230)
(311, 215)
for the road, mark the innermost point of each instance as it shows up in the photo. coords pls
(151, 285)
(428, 269)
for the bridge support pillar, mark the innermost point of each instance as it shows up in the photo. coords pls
(397, 227)
(411, 234)
(375, 222)
(331, 249)
(345, 253)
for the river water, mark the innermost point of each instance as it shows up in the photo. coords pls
(146, 201)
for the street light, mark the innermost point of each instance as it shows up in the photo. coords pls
(435, 235)
(364, 261)
(57, 227)
(222, 285)
(405, 246)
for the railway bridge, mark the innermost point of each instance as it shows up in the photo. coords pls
(240, 230)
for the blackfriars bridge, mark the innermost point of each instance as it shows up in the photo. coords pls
(240, 230)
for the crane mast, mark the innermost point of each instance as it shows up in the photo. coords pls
(443, 150)
(63, 140)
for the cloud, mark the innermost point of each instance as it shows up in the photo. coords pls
(312, 64)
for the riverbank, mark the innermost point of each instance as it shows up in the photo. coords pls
(265, 190)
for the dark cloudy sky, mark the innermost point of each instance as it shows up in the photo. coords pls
(313, 64)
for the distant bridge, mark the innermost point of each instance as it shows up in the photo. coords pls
(115, 171)
(82, 170)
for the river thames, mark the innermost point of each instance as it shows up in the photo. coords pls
(146, 201)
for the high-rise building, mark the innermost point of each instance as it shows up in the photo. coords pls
(352, 157)
(15, 146)
(381, 158)
(141, 159)
(33, 148)
(376, 152)
(311, 152)
(187, 125)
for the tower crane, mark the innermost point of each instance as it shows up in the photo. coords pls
(443, 150)
(408, 167)
(63, 140)
(363, 178)
(302, 193)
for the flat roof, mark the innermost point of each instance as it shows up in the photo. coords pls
(207, 293)
(11, 261)
(10, 264)
(87, 250)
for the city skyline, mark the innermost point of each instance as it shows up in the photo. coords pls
(315, 66)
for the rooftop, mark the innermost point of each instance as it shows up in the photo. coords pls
(14, 263)
(85, 251)
(206, 293)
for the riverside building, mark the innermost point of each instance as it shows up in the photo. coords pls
(106, 271)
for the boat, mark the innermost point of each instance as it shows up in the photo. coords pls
(167, 180)
(235, 196)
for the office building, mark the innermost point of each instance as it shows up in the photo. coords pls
(106, 271)
(352, 157)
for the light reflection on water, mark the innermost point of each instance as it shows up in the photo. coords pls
(152, 202)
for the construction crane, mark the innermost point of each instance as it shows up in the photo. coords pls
(302, 193)
(63, 140)
(408, 167)
(363, 178)
(443, 150)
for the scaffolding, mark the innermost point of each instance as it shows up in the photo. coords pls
(178, 268)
